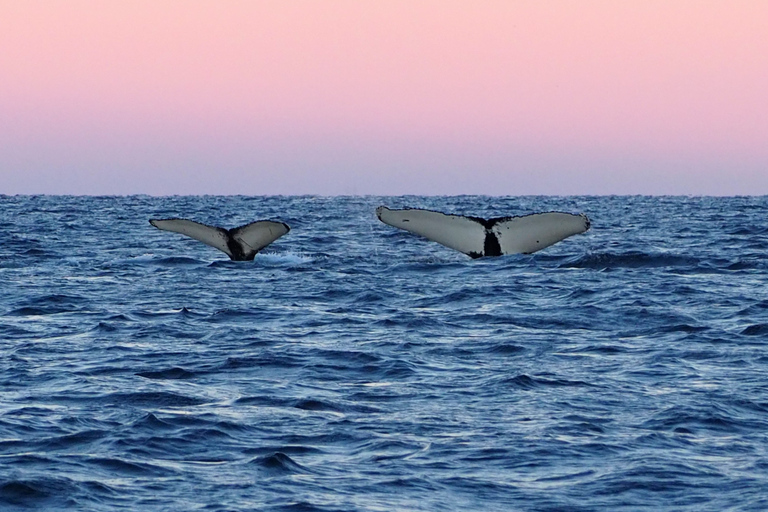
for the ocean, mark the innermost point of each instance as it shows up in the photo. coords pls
(356, 367)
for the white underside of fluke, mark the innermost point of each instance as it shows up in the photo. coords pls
(251, 237)
(526, 234)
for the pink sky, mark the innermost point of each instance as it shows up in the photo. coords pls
(503, 97)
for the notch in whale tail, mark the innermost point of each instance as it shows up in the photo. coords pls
(477, 237)
(240, 244)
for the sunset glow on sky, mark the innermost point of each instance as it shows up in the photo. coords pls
(383, 97)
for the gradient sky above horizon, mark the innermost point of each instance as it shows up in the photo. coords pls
(386, 97)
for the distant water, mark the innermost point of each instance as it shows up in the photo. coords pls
(355, 367)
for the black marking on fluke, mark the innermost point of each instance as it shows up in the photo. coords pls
(491, 247)
(238, 254)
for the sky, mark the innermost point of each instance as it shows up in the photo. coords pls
(384, 97)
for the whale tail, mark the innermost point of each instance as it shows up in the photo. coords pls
(477, 237)
(240, 244)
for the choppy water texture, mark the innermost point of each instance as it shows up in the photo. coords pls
(355, 367)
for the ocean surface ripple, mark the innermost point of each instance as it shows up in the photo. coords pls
(355, 367)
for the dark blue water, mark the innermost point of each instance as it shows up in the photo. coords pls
(355, 367)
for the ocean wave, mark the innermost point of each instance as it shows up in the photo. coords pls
(281, 463)
(610, 260)
(352, 367)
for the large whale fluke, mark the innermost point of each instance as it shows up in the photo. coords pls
(477, 237)
(240, 244)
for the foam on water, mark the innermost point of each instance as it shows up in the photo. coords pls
(287, 258)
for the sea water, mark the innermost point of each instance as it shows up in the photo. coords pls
(356, 367)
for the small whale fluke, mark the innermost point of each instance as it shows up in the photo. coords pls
(240, 244)
(478, 237)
